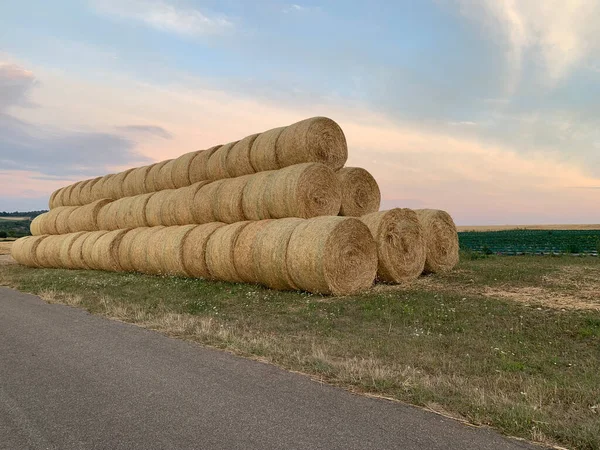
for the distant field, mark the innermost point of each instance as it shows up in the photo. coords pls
(14, 218)
(527, 227)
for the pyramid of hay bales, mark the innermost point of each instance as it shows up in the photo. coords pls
(276, 208)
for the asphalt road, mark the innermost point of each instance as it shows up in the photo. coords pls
(70, 380)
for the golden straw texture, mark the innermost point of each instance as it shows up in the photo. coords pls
(198, 170)
(238, 158)
(194, 249)
(263, 153)
(219, 252)
(332, 255)
(441, 240)
(360, 192)
(400, 243)
(244, 249)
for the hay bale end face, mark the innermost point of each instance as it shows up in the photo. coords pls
(317, 139)
(360, 192)
(24, 250)
(194, 249)
(332, 255)
(400, 244)
(441, 240)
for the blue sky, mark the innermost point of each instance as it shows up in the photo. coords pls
(488, 109)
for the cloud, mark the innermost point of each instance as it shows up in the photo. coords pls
(166, 17)
(295, 8)
(152, 130)
(15, 83)
(50, 150)
(558, 34)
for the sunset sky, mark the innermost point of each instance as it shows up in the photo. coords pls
(488, 109)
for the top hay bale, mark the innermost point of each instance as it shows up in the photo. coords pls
(441, 240)
(317, 139)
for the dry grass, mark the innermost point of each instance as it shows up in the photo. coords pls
(528, 370)
(5, 247)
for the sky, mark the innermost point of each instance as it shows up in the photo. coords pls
(489, 109)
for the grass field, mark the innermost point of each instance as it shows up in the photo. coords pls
(509, 342)
(527, 227)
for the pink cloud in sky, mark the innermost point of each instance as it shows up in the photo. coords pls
(477, 182)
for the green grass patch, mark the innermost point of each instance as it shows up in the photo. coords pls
(527, 370)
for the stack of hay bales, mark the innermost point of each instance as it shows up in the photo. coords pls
(276, 208)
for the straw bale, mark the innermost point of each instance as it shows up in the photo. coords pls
(66, 260)
(181, 169)
(86, 191)
(85, 218)
(152, 178)
(165, 176)
(205, 198)
(24, 250)
(199, 166)
(194, 249)
(172, 261)
(400, 243)
(216, 168)
(317, 139)
(76, 258)
(37, 226)
(139, 248)
(219, 252)
(158, 211)
(360, 192)
(135, 183)
(332, 255)
(105, 251)
(263, 153)
(183, 202)
(269, 253)
(238, 158)
(62, 219)
(87, 247)
(227, 202)
(125, 248)
(254, 203)
(441, 240)
(244, 249)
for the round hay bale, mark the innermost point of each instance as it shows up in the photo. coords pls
(194, 249)
(332, 255)
(58, 197)
(135, 183)
(105, 251)
(75, 197)
(304, 190)
(48, 224)
(318, 139)
(87, 247)
(219, 252)
(263, 153)
(118, 184)
(24, 250)
(181, 170)
(48, 252)
(76, 252)
(164, 179)
(85, 218)
(172, 262)
(96, 189)
(244, 249)
(52, 200)
(65, 199)
(136, 216)
(183, 202)
(66, 260)
(254, 203)
(269, 253)
(125, 248)
(107, 186)
(400, 243)
(139, 248)
(153, 175)
(86, 191)
(157, 208)
(107, 217)
(216, 169)
(360, 192)
(205, 198)
(238, 162)
(17, 250)
(37, 226)
(199, 166)
(227, 200)
(62, 219)
(155, 252)
(441, 240)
